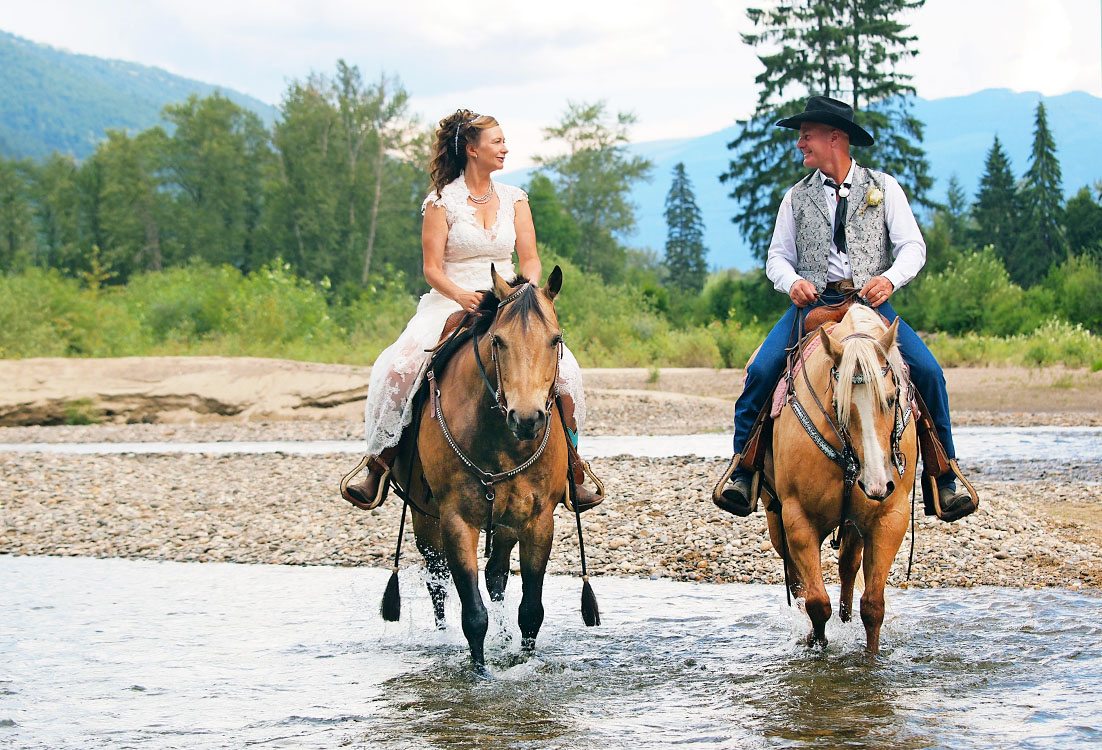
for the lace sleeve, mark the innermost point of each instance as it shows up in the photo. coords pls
(515, 194)
(432, 200)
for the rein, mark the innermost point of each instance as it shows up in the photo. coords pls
(846, 458)
(488, 478)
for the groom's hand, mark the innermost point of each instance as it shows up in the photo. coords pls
(803, 293)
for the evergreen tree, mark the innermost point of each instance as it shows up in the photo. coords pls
(847, 51)
(956, 210)
(995, 211)
(1041, 243)
(593, 179)
(685, 252)
(1083, 224)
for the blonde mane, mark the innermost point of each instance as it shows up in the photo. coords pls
(862, 355)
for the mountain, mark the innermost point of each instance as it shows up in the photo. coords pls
(959, 132)
(53, 100)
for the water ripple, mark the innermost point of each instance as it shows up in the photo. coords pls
(113, 653)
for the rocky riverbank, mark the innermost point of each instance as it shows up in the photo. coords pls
(658, 522)
(1045, 529)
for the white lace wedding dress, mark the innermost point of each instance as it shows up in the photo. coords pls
(470, 250)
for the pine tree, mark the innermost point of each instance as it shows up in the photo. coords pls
(1042, 242)
(956, 210)
(996, 208)
(685, 251)
(846, 51)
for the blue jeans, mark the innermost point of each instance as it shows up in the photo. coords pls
(768, 366)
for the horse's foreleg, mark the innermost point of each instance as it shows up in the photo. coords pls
(849, 562)
(497, 566)
(535, 548)
(803, 549)
(437, 582)
(461, 550)
(426, 532)
(881, 545)
(776, 536)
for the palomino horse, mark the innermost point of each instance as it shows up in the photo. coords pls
(493, 451)
(855, 463)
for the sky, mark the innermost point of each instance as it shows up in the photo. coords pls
(680, 67)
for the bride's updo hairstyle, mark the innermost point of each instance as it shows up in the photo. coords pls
(449, 150)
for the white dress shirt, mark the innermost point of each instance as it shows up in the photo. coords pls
(908, 247)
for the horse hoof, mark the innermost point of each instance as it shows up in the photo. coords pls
(528, 645)
(481, 672)
(813, 640)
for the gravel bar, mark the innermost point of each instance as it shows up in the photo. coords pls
(657, 523)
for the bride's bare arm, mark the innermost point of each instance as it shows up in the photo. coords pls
(434, 237)
(529, 259)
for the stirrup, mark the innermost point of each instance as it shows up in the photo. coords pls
(717, 491)
(935, 496)
(381, 491)
(600, 493)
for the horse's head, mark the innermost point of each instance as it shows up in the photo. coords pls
(868, 373)
(526, 340)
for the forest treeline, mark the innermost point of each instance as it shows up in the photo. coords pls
(214, 234)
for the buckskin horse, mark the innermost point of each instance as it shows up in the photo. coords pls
(491, 455)
(851, 467)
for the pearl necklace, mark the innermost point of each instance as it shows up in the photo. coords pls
(485, 196)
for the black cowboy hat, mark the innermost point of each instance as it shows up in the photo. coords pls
(830, 112)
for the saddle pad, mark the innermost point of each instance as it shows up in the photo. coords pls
(780, 391)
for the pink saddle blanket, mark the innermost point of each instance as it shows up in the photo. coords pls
(781, 390)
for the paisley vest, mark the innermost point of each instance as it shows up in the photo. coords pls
(867, 240)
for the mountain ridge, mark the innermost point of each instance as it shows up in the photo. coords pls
(958, 134)
(55, 100)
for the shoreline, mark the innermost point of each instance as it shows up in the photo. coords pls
(658, 522)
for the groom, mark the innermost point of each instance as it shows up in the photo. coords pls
(842, 227)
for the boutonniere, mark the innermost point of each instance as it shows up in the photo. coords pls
(874, 197)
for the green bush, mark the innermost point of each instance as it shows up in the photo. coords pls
(1075, 289)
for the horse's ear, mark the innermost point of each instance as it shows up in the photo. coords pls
(554, 283)
(830, 346)
(887, 339)
(500, 286)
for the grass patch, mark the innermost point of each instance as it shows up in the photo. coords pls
(81, 412)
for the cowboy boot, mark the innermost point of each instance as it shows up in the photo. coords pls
(736, 495)
(369, 493)
(586, 498)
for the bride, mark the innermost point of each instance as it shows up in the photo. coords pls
(470, 223)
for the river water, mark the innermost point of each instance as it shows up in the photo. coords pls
(1082, 444)
(142, 654)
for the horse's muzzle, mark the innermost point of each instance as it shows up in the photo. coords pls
(889, 489)
(527, 426)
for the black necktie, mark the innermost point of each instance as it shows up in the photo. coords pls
(840, 213)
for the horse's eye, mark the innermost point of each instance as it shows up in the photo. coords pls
(891, 400)
(556, 340)
(497, 342)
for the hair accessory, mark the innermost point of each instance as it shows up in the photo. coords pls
(457, 127)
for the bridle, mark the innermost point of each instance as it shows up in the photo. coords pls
(846, 458)
(489, 478)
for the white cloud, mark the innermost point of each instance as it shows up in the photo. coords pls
(680, 66)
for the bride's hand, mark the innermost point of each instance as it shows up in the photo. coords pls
(469, 301)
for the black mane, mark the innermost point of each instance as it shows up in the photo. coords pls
(524, 305)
